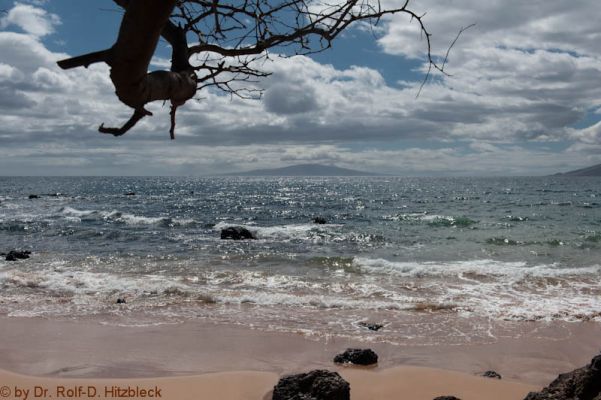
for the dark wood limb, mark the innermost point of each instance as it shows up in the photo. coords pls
(176, 37)
(172, 114)
(138, 115)
(86, 59)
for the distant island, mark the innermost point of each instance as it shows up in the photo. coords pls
(595, 170)
(305, 170)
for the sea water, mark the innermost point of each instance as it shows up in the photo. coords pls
(425, 257)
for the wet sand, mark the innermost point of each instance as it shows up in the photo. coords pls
(212, 356)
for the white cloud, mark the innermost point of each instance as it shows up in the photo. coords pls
(528, 70)
(33, 20)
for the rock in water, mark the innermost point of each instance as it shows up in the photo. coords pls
(319, 220)
(314, 385)
(357, 357)
(15, 255)
(236, 233)
(581, 384)
(34, 196)
(491, 374)
(371, 326)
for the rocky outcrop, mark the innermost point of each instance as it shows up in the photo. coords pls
(236, 233)
(314, 385)
(371, 326)
(15, 255)
(581, 384)
(491, 374)
(357, 357)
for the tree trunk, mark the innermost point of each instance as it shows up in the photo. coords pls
(130, 57)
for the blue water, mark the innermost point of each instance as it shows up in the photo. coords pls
(500, 249)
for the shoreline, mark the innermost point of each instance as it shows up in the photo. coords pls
(90, 349)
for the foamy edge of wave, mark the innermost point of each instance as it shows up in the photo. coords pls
(118, 216)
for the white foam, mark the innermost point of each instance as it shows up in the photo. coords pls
(486, 266)
(485, 288)
(282, 232)
(120, 217)
(70, 211)
(501, 290)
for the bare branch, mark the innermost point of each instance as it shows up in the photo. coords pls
(86, 59)
(172, 115)
(232, 40)
(138, 115)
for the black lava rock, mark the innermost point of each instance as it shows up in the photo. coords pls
(314, 385)
(319, 220)
(491, 374)
(357, 357)
(15, 255)
(581, 384)
(371, 326)
(34, 196)
(236, 233)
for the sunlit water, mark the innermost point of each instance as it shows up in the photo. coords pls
(425, 257)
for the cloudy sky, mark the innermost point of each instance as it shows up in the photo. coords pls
(523, 98)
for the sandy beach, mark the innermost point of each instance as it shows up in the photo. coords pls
(413, 382)
(231, 362)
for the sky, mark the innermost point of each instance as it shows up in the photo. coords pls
(523, 97)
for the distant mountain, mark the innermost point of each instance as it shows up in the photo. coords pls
(305, 170)
(595, 170)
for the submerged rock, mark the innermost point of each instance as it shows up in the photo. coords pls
(319, 220)
(491, 374)
(581, 384)
(314, 385)
(15, 255)
(371, 326)
(357, 357)
(236, 233)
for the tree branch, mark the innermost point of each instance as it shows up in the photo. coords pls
(86, 59)
(138, 115)
(233, 38)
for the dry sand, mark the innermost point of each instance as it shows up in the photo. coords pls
(203, 361)
(403, 382)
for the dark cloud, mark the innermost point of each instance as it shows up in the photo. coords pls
(287, 99)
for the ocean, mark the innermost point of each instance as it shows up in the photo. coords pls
(424, 257)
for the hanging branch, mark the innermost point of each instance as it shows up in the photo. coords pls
(232, 39)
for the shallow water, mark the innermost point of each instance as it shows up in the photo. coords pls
(458, 249)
